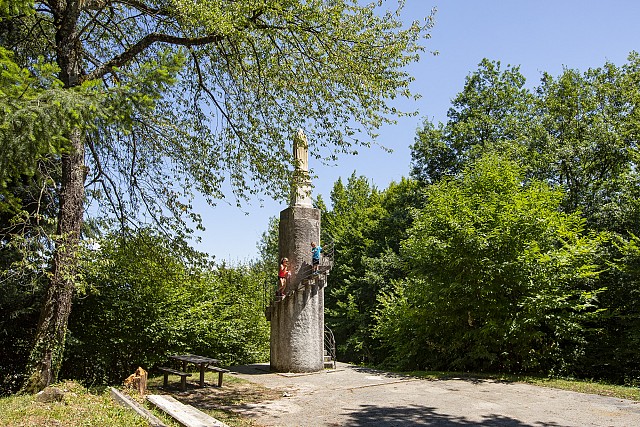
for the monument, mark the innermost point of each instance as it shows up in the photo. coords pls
(297, 321)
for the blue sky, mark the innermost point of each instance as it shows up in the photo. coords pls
(538, 35)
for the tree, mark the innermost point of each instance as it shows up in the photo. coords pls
(612, 354)
(27, 212)
(493, 112)
(147, 297)
(354, 214)
(267, 262)
(578, 131)
(590, 123)
(500, 279)
(366, 226)
(200, 96)
(30, 131)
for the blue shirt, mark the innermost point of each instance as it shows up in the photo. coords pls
(316, 252)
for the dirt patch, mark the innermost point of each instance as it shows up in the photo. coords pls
(223, 403)
(230, 395)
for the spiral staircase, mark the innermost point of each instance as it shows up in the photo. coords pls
(307, 277)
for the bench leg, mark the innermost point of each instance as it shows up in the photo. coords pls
(183, 382)
(220, 379)
(166, 380)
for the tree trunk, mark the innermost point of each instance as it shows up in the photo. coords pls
(46, 357)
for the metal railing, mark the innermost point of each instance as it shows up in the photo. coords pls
(326, 263)
(330, 344)
(307, 273)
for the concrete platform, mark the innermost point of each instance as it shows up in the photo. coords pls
(354, 396)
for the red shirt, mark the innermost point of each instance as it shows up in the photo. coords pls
(283, 271)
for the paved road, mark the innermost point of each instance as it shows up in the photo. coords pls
(354, 396)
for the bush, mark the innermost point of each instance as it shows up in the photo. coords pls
(501, 280)
(146, 300)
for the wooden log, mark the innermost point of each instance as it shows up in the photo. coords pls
(128, 402)
(141, 381)
(186, 415)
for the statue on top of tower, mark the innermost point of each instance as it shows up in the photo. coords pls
(301, 183)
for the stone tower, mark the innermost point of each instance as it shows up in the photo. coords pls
(297, 322)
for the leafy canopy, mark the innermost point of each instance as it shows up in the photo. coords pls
(500, 279)
(205, 96)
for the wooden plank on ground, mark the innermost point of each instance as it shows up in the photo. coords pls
(125, 400)
(186, 415)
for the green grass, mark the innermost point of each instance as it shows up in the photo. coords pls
(79, 407)
(622, 392)
(94, 407)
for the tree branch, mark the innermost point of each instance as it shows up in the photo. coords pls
(117, 207)
(129, 54)
(144, 8)
(204, 87)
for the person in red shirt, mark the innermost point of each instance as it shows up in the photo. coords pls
(283, 275)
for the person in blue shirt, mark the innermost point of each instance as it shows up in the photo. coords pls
(315, 256)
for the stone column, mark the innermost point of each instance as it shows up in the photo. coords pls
(297, 322)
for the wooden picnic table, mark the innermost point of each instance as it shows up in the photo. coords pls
(200, 361)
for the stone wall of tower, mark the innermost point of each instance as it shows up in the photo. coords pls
(297, 322)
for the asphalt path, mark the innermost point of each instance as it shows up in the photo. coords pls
(355, 396)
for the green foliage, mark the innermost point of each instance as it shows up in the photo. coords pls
(9, 8)
(210, 103)
(591, 128)
(148, 299)
(27, 212)
(577, 131)
(501, 280)
(348, 225)
(20, 307)
(268, 245)
(265, 268)
(32, 120)
(494, 113)
(366, 227)
(612, 353)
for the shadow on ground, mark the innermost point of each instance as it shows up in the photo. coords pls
(257, 369)
(233, 393)
(369, 415)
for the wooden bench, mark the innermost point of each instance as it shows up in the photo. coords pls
(183, 376)
(220, 371)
